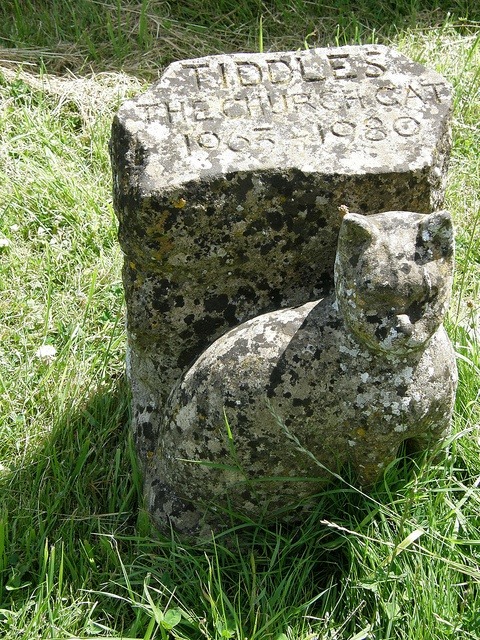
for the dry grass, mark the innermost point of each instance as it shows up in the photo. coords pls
(89, 93)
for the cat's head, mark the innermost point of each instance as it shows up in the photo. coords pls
(393, 277)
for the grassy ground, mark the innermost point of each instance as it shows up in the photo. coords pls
(140, 36)
(78, 558)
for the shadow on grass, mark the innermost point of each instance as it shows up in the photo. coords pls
(80, 483)
(72, 527)
(80, 493)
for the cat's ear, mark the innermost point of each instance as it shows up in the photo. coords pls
(357, 229)
(435, 236)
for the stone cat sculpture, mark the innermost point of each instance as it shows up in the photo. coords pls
(306, 390)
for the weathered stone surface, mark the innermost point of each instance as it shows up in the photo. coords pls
(228, 175)
(228, 178)
(307, 390)
(337, 111)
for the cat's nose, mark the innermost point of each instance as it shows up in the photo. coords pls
(404, 325)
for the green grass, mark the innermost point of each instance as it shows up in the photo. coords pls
(143, 35)
(78, 558)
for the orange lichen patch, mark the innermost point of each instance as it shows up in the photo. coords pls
(360, 432)
(164, 246)
(159, 226)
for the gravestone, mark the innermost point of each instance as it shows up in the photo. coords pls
(229, 176)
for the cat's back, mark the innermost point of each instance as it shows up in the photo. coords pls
(247, 354)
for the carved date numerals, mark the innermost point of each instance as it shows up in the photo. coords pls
(260, 140)
(374, 129)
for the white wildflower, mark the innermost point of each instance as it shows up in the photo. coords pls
(46, 353)
(4, 242)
